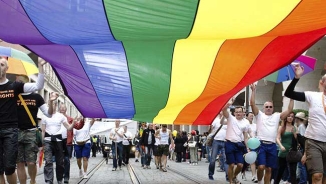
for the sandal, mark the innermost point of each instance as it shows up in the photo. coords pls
(164, 169)
(236, 181)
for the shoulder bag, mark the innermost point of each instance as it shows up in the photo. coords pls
(38, 133)
(294, 154)
(210, 139)
(127, 139)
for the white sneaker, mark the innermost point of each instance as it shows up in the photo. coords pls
(81, 173)
(85, 176)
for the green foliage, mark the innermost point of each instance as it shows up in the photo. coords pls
(301, 110)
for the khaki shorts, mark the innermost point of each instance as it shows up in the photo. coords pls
(316, 156)
(27, 146)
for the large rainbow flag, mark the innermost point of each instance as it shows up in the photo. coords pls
(161, 61)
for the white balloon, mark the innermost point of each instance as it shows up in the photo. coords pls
(251, 157)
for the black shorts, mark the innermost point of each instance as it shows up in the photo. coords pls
(163, 150)
(155, 151)
(8, 147)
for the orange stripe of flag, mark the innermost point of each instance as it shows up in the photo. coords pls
(307, 16)
(233, 60)
(277, 54)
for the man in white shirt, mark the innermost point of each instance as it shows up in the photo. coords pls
(234, 147)
(315, 145)
(218, 147)
(52, 136)
(83, 146)
(116, 135)
(267, 124)
(127, 137)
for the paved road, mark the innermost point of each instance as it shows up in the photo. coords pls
(105, 175)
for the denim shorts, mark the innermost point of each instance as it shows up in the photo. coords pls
(233, 153)
(8, 148)
(267, 155)
(83, 150)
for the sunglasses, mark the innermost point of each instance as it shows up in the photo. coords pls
(268, 107)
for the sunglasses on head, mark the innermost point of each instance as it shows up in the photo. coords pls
(268, 107)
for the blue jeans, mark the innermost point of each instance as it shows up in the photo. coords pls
(303, 173)
(148, 154)
(217, 147)
(209, 152)
(119, 152)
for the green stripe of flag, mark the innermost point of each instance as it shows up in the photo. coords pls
(149, 30)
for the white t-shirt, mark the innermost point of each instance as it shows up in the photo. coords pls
(236, 128)
(118, 138)
(125, 140)
(220, 136)
(83, 134)
(63, 132)
(267, 126)
(253, 128)
(157, 140)
(248, 128)
(302, 129)
(53, 124)
(317, 117)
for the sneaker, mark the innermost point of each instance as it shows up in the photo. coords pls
(136, 160)
(66, 180)
(210, 177)
(148, 167)
(220, 170)
(243, 176)
(114, 169)
(85, 176)
(145, 167)
(81, 173)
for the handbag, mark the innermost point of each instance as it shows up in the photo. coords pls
(210, 139)
(293, 156)
(38, 134)
(192, 144)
